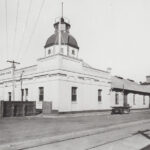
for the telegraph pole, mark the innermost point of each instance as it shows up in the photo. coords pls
(59, 36)
(13, 76)
(21, 80)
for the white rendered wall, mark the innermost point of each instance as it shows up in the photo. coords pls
(57, 85)
(58, 74)
(87, 95)
(138, 100)
(50, 85)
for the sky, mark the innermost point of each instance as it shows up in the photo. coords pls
(110, 33)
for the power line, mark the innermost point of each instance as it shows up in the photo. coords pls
(34, 28)
(26, 23)
(62, 9)
(6, 26)
(14, 39)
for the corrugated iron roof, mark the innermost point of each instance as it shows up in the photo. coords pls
(130, 85)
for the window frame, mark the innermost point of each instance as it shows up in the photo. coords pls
(26, 91)
(41, 94)
(9, 96)
(99, 95)
(74, 94)
(22, 92)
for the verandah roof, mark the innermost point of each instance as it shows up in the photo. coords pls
(128, 85)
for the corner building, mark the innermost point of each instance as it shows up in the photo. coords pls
(60, 77)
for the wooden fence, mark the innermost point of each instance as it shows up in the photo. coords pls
(17, 108)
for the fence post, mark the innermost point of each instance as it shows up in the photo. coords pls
(34, 108)
(12, 109)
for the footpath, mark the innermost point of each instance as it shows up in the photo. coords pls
(81, 114)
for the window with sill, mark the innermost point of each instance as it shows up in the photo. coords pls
(41, 93)
(99, 95)
(9, 96)
(74, 94)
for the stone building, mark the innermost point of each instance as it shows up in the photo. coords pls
(60, 77)
(64, 79)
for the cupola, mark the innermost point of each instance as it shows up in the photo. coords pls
(61, 42)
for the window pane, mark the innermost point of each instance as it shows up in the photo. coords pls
(99, 98)
(74, 93)
(74, 97)
(9, 96)
(41, 93)
(22, 90)
(99, 92)
(26, 92)
(99, 95)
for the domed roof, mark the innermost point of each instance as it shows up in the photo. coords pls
(66, 39)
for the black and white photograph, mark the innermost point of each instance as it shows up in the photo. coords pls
(74, 74)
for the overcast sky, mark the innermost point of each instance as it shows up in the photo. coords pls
(110, 33)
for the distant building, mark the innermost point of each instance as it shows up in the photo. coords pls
(64, 79)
